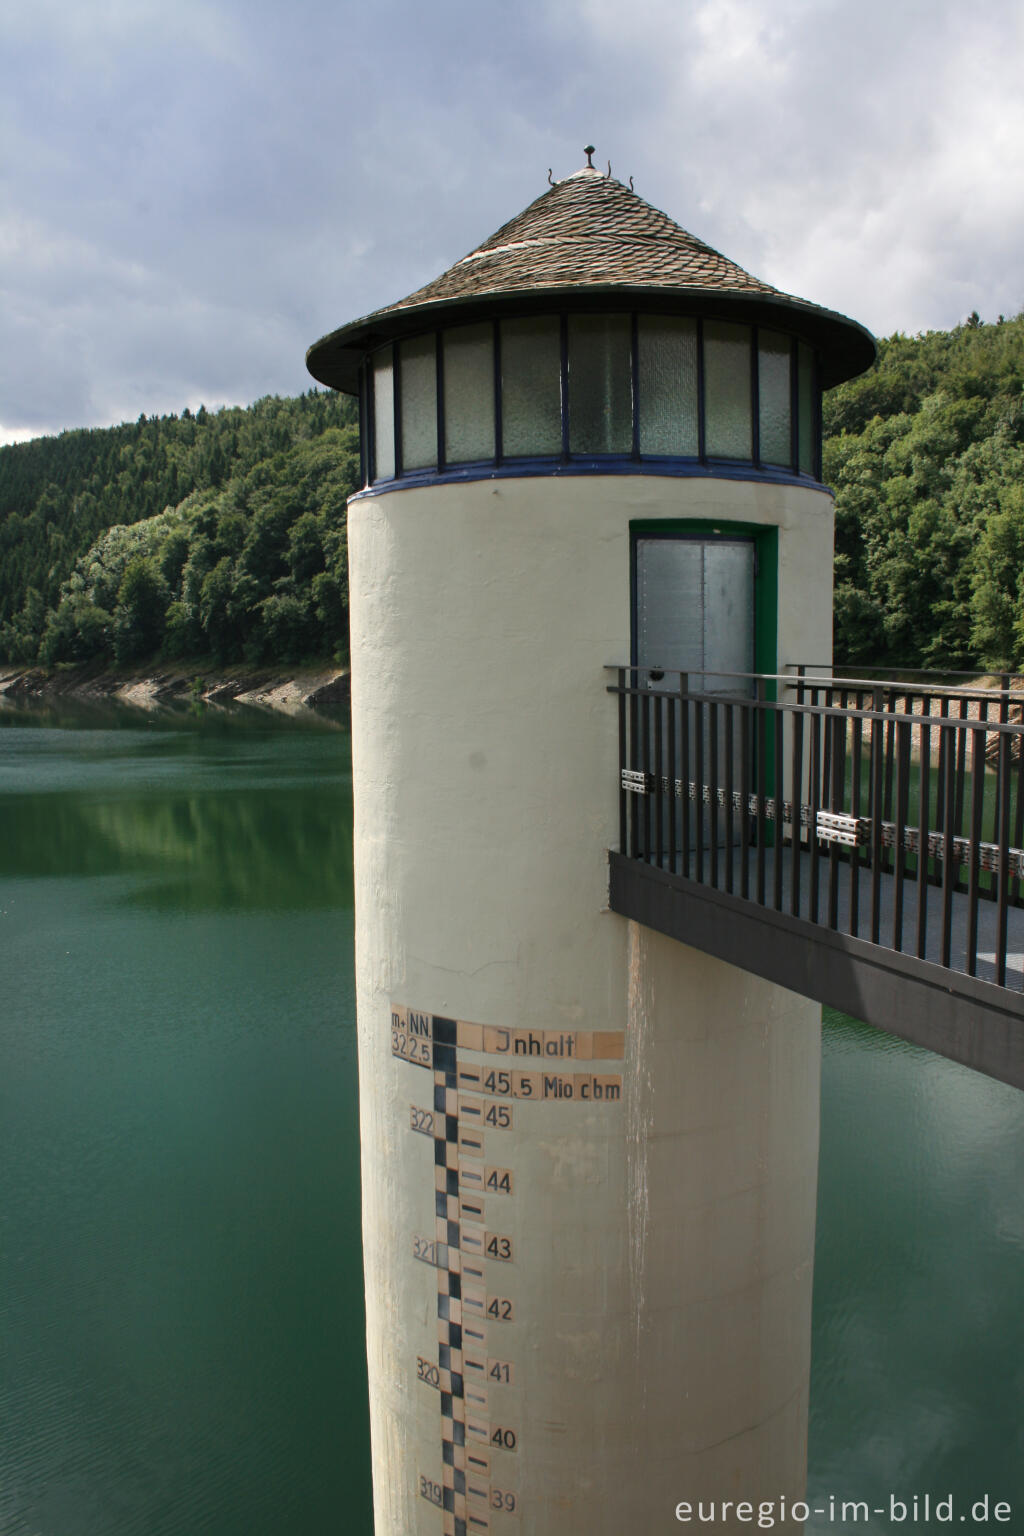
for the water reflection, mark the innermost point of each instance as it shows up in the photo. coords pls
(209, 818)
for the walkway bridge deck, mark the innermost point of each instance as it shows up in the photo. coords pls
(858, 842)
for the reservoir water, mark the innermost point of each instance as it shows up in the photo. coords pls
(181, 1347)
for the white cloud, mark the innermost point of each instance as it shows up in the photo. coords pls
(20, 434)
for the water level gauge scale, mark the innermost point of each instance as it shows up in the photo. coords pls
(480, 1079)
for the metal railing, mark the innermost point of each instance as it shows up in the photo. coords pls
(891, 811)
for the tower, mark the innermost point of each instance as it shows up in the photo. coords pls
(589, 1152)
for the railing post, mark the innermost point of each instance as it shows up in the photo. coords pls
(623, 764)
(634, 759)
(796, 841)
(1018, 815)
(814, 795)
(1004, 850)
(961, 777)
(746, 747)
(877, 802)
(659, 791)
(777, 743)
(948, 833)
(889, 736)
(923, 828)
(760, 775)
(684, 766)
(902, 729)
(670, 710)
(698, 755)
(646, 765)
(856, 771)
(940, 784)
(979, 734)
(836, 724)
(713, 788)
(729, 791)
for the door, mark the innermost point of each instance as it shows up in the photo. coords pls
(694, 613)
(694, 607)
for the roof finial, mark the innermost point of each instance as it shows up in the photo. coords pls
(550, 179)
(588, 150)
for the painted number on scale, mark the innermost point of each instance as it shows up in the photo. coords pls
(424, 1250)
(500, 1309)
(421, 1120)
(410, 1047)
(428, 1372)
(498, 1180)
(431, 1491)
(501, 1371)
(499, 1116)
(503, 1438)
(496, 1246)
(503, 1498)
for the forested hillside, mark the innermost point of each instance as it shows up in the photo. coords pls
(222, 534)
(926, 457)
(217, 534)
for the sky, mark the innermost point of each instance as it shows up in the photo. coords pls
(191, 193)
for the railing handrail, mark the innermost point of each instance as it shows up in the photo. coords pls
(921, 671)
(825, 711)
(859, 684)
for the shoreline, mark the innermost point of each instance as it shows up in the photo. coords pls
(286, 690)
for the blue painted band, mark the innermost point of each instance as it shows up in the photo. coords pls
(554, 469)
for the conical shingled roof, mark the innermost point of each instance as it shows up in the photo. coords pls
(587, 239)
(584, 231)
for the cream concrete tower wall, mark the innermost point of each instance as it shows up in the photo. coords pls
(625, 1301)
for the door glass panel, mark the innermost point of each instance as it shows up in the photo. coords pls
(728, 610)
(669, 595)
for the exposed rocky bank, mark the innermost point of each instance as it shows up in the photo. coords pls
(290, 690)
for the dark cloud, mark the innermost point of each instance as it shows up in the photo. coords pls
(190, 195)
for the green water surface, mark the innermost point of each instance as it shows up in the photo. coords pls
(181, 1328)
(181, 1322)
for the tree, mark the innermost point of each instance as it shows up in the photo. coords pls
(139, 618)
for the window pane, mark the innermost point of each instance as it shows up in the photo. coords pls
(774, 398)
(667, 385)
(383, 415)
(469, 394)
(727, 390)
(418, 385)
(808, 412)
(531, 410)
(600, 397)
